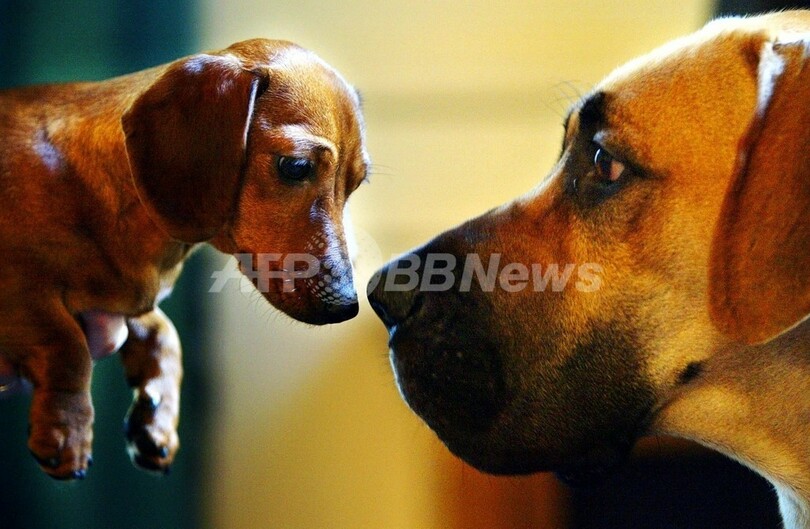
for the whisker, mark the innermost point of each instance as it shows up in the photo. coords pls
(377, 169)
(568, 93)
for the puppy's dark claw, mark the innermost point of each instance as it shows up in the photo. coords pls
(76, 474)
(46, 462)
(51, 464)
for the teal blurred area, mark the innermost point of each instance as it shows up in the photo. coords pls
(42, 41)
(45, 41)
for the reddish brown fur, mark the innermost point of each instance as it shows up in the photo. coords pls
(107, 187)
(760, 285)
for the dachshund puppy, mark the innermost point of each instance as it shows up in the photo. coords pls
(108, 186)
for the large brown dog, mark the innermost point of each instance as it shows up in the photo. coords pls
(681, 199)
(106, 188)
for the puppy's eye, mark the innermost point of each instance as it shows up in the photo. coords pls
(295, 169)
(608, 168)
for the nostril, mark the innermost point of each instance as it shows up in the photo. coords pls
(396, 308)
(392, 305)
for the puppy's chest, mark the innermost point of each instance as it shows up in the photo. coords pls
(114, 279)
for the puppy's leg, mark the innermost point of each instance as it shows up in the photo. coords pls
(55, 358)
(152, 361)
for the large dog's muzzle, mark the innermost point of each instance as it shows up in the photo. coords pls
(486, 366)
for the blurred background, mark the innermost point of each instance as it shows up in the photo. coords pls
(291, 427)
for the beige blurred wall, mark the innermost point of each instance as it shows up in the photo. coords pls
(464, 103)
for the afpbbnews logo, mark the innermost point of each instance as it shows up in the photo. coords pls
(439, 272)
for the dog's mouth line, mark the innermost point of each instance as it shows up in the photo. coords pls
(591, 464)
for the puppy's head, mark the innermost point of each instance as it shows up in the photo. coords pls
(256, 149)
(550, 332)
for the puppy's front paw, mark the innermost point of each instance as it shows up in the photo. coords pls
(61, 433)
(150, 429)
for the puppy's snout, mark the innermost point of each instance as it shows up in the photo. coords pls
(392, 300)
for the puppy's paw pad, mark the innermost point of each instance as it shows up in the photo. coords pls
(65, 463)
(151, 437)
(150, 450)
(59, 440)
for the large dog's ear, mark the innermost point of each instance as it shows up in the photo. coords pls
(760, 263)
(185, 138)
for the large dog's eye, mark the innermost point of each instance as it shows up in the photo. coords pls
(608, 168)
(603, 177)
(295, 169)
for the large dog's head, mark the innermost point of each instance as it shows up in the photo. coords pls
(256, 149)
(549, 333)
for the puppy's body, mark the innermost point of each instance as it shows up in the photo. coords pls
(106, 187)
(684, 177)
(70, 205)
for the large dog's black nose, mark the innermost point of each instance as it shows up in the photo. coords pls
(445, 360)
(392, 299)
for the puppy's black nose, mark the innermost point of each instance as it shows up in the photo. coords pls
(392, 293)
(339, 312)
(325, 313)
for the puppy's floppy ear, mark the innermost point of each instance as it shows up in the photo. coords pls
(185, 138)
(760, 264)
